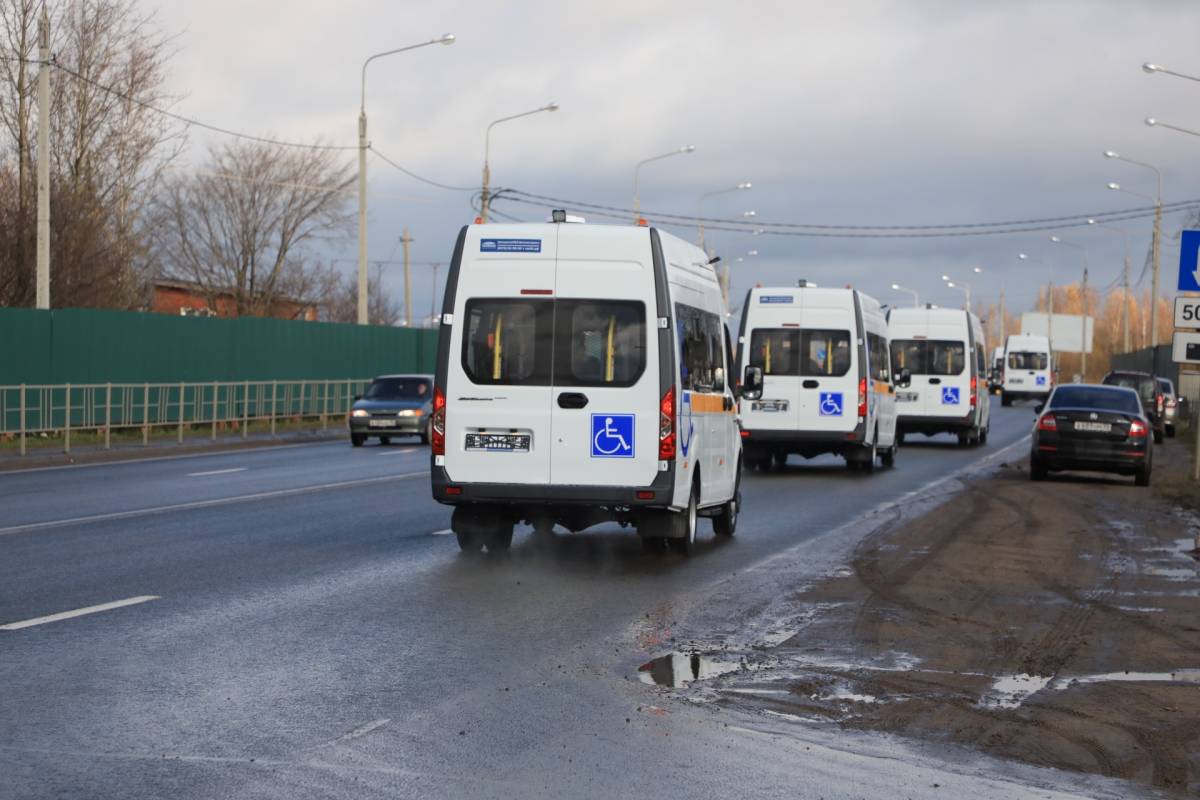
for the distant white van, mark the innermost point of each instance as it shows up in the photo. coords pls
(582, 378)
(815, 377)
(942, 349)
(1028, 368)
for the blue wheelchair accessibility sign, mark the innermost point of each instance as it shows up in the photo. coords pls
(1040, 380)
(612, 435)
(830, 404)
(950, 395)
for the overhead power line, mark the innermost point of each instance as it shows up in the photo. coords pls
(420, 178)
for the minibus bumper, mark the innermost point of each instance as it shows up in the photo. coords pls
(932, 424)
(658, 494)
(757, 442)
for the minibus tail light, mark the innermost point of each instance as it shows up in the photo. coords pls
(666, 426)
(862, 397)
(1047, 423)
(974, 390)
(438, 440)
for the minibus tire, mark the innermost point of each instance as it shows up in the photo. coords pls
(385, 440)
(468, 542)
(683, 524)
(983, 434)
(889, 457)
(725, 523)
(500, 539)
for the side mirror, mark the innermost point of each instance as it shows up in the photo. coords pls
(1039, 408)
(752, 383)
(904, 378)
(718, 380)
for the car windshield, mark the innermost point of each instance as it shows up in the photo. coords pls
(398, 389)
(1165, 386)
(1142, 384)
(1025, 360)
(1098, 397)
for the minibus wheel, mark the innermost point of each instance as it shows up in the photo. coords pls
(725, 523)
(500, 539)
(684, 524)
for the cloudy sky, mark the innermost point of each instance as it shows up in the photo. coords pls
(879, 113)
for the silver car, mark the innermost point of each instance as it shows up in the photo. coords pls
(1170, 405)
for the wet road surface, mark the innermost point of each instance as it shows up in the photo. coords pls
(306, 627)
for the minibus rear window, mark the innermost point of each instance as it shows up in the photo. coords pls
(508, 342)
(1027, 361)
(599, 343)
(809, 352)
(928, 356)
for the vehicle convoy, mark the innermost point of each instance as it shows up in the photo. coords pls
(392, 405)
(1095, 428)
(1150, 391)
(582, 378)
(1028, 368)
(942, 350)
(816, 377)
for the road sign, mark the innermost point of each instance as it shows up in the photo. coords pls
(1189, 270)
(1185, 348)
(1187, 312)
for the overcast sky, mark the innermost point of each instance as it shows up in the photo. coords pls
(847, 113)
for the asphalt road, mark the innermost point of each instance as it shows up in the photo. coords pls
(316, 633)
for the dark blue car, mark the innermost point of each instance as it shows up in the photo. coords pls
(393, 405)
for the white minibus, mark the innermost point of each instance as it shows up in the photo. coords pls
(942, 349)
(1028, 368)
(815, 377)
(582, 377)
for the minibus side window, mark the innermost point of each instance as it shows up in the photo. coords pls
(776, 351)
(701, 346)
(824, 352)
(877, 346)
(599, 342)
(508, 342)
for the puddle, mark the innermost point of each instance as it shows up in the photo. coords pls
(1178, 676)
(677, 670)
(1011, 691)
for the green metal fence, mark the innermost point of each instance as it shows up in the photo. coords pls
(27, 410)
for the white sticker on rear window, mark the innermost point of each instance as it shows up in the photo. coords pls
(510, 245)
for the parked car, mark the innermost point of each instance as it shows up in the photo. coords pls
(1096, 428)
(393, 405)
(1170, 406)
(1146, 385)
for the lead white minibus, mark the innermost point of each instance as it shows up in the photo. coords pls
(582, 377)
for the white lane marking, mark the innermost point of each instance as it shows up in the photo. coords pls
(446, 532)
(206, 454)
(362, 730)
(79, 612)
(220, 501)
(400, 452)
(216, 472)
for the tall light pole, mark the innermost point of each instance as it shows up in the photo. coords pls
(1155, 247)
(1124, 281)
(916, 297)
(43, 165)
(700, 205)
(1083, 303)
(363, 144)
(637, 197)
(485, 196)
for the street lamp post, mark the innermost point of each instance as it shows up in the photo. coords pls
(700, 205)
(1083, 304)
(916, 297)
(362, 170)
(1124, 280)
(485, 195)
(1155, 247)
(637, 197)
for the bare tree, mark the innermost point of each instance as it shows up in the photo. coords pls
(341, 300)
(244, 224)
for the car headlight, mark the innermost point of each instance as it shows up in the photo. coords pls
(360, 412)
(409, 412)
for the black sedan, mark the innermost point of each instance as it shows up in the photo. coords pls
(393, 405)
(1093, 428)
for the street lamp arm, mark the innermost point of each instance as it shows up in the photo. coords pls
(1153, 68)
(487, 136)
(444, 39)
(1158, 123)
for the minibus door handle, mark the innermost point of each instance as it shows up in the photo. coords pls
(934, 381)
(572, 400)
(811, 384)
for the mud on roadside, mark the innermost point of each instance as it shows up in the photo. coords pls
(1055, 623)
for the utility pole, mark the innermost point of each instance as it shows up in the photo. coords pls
(362, 215)
(1154, 280)
(433, 295)
(1083, 299)
(406, 240)
(1003, 338)
(43, 167)
(1125, 306)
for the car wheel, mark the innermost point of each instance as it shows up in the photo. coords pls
(425, 434)
(385, 440)
(1005, 400)
(357, 439)
(1142, 478)
(964, 439)
(725, 523)
(684, 525)
(1037, 470)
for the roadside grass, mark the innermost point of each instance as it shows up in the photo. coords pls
(1175, 482)
(93, 438)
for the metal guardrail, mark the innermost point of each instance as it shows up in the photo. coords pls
(103, 407)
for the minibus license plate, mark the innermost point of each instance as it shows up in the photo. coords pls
(769, 405)
(382, 423)
(498, 442)
(906, 397)
(1097, 427)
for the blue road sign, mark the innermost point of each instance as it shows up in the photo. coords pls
(950, 396)
(1189, 270)
(830, 404)
(612, 435)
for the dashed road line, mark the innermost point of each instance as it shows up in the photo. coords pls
(79, 612)
(446, 532)
(216, 472)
